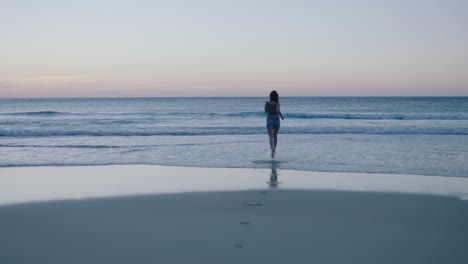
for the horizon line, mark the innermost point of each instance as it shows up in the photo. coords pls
(286, 96)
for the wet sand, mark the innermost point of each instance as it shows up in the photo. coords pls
(269, 224)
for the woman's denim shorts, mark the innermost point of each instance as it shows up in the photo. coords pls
(273, 121)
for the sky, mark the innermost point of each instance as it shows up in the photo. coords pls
(112, 48)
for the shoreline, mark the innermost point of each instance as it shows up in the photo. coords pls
(46, 183)
(272, 161)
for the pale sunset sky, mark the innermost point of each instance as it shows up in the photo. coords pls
(112, 48)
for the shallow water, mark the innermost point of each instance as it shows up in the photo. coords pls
(411, 135)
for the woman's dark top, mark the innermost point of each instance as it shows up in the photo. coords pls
(271, 108)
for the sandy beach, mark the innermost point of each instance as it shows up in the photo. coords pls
(223, 218)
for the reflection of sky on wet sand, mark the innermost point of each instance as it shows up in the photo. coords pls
(27, 184)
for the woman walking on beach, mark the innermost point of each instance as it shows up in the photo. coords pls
(272, 108)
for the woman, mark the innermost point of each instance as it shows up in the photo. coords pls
(272, 108)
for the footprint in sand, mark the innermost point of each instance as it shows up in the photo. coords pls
(239, 246)
(245, 223)
(252, 204)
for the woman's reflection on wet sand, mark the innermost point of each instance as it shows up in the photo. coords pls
(273, 176)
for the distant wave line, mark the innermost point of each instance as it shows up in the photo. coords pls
(232, 131)
(358, 116)
(380, 116)
(59, 146)
(37, 113)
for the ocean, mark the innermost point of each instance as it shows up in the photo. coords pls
(402, 135)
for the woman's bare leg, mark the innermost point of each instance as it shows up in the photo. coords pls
(275, 140)
(272, 142)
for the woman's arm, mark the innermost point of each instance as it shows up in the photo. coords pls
(279, 111)
(266, 107)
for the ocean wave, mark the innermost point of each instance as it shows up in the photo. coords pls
(235, 114)
(37, 113)
(58, 146)
(380, 116)
(258, 114)
(368, 116)
(238, 131)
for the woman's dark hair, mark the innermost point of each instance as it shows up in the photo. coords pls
(274, 97)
